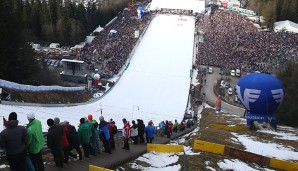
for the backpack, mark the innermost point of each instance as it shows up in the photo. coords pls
(95, 124)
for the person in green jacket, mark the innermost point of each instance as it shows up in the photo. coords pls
(36, 141)
(175, 127)
(94, 140)
(84, 134)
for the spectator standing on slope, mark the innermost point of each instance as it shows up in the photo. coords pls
(36, 141)
(104, 134)
(169, 129)
(134, 132)
(14, 139)
(162, 127)
(94, 138)
(166, 128)
(54, 142)
(141, 129)
(73, 139)
(176, 125)
(150, 131)
(113, 131)
(126, 133)
(181, 126)
(66, 147)
(218, 104)
(84, 134)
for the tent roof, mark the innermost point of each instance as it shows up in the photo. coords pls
(287, 25)
(69, 60)
(98, 29)
(113, 31)
(89, 39)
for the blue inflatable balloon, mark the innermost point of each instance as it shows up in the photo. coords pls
(260, 93)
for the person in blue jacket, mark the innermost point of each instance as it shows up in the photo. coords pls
(150, 131)
(104, 134)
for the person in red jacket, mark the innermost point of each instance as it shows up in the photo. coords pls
(169, 129)
(113, 131)
(66, 147)
(126, 133)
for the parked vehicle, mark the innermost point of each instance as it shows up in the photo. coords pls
(53, 63)
(221, 71)
(230, 91)
(210, 70)
(227, 85)
(223, 83)
(56, 63)
(233, 73)
(238, 73)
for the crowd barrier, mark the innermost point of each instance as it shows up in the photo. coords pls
(96, 168)
(162, 148)
(244, 155)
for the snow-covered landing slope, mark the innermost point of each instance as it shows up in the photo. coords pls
(154, 87)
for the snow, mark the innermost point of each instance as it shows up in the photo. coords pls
(154, 87)
(237, 165)
(266, 148)
(161, 161)
(281, 134)
(2, 166)
(210, 168)
(194, 80)
(158, 161)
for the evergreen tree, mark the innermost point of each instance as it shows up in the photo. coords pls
(15, 53)
(287, 113)
(269, 13)
(36, 19)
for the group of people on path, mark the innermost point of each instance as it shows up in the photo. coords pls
(24, 145)
(62, 138)
(166, 128)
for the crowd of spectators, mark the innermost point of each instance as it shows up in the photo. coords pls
(111, 51)
(232, 41)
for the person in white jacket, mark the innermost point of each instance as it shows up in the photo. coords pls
(134, 132)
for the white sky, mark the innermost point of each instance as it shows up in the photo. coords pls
(155, 86)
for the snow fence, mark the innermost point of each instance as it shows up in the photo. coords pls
(30, 88)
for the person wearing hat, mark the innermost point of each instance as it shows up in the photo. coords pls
(36, 141)
(84, 134)
(54, 142)
(13, 139)
(66, 147)
(74, 140)
(94, 140)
